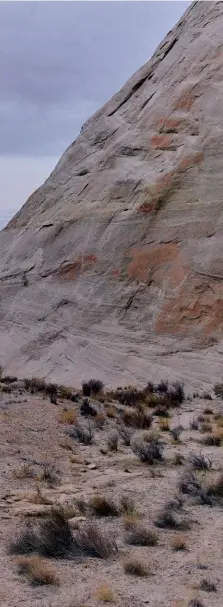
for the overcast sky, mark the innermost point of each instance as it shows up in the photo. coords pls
(59, 62)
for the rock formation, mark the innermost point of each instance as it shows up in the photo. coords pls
(113, 268)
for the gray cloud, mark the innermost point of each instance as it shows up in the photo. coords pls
(60, 61)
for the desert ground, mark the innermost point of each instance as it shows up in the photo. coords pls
(146, 525)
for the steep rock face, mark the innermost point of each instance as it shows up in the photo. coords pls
(122, 246)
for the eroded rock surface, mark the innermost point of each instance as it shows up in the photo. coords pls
(114, 266)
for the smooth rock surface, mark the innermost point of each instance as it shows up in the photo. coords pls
(122, 246)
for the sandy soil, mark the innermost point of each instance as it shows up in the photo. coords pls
(31, 433)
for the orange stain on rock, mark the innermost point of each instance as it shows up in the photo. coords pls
(148, 260)
(185, 101)
(72, 270)
(146, 208)
(168, 125)
(189, 310)
(161, 142)
(190, 161)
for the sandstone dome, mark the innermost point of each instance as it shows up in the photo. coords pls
(121, 248)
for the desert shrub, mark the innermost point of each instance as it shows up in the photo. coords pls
(25, 471)
(162, 387)
(25, 542)
(208, 586)
(189, 484)
(51, 389)
(206, 396)
(82, 434)
(37, 385)
(126, 435)
(148, 451)
(49, 474)
(149, 388)
(99, 420)
(178, 542)
(127, 505)
(215, 490)
(65, 393)
(136, 418)
(86, 409)
(101, 505)
(93, 542)
(8, 379)
(199, 462)
(112, 441)
(161, 411)
(96, 385)
(68, 416)
(140, 535)
(129, 396)
(53, 399)
(178, 459)
(176, 432)
(111, 411)
(211, 440)
(133, 566)
(52, 537)
(208, 411)
(37, 570)
(130, 520)
(93, 386)
(164, 424)
(205, 427)
(105, 594)
(152, 399)
(176, 394)
(218, 390)
(86, 389)
(194, 424)
(6, 389)
(166, 518)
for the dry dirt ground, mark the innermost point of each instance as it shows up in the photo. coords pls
(32, 435)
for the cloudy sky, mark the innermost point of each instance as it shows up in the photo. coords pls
(59, 62)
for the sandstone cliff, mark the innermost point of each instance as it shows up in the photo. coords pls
(122, 246)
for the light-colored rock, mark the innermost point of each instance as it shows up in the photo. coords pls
(122, 246)
(75, 522)
(92, 466)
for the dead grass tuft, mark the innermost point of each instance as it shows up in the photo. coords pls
(37, 570)
(164, 424)
(130, 520)
(92, 541)
(105, 594)
(111, 411)
(51, 537)
(136, 418)
(178, 459)
(68, 416)
(178, 542)
(112, 441)
(25, 471)
(140, 535)
(101, 505)
(132, 566)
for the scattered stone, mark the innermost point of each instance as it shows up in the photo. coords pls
(103, 450)
(74, 522)
(92, 466)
